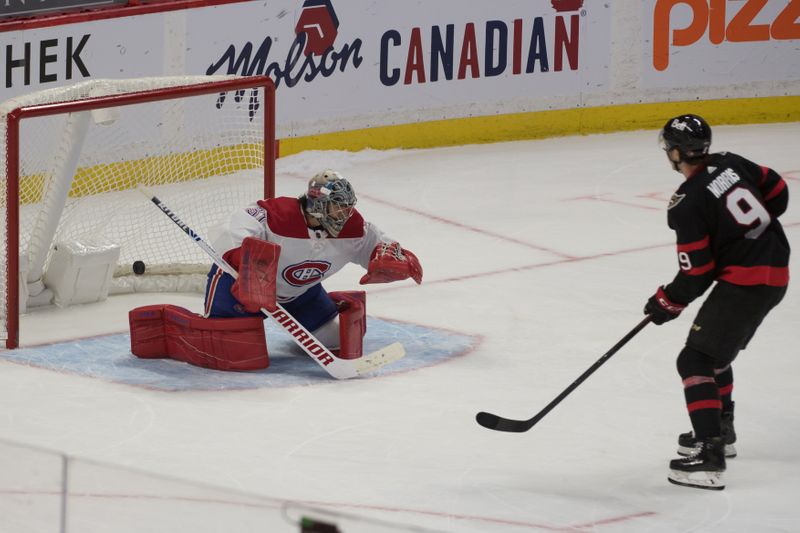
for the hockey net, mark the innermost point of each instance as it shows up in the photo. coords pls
(76, 229)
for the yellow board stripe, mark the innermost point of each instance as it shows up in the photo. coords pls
(187, 166)
(542, 124)
(201, 164)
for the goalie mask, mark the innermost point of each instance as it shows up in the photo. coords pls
(330, 199)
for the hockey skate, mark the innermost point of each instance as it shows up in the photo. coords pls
(702, 469)
(687, 443)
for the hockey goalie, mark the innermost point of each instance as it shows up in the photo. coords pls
(283, 249)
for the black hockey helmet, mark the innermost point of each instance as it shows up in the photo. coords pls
(690, 134)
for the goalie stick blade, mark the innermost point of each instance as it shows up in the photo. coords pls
(498, 423)
(379, 358)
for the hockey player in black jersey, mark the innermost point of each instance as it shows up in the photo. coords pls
(725, 216)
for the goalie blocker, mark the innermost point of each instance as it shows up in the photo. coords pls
(169, 331)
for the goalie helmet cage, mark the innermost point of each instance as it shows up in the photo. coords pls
(74, 156)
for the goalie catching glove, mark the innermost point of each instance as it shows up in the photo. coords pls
(389, 262)
(258, 270)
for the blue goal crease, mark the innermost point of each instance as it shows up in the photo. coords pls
(109, 358)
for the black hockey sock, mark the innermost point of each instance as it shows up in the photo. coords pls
(724, 378)
(701, 392)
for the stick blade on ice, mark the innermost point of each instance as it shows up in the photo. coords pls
(490, 421)
(379, 358)
(499, 423)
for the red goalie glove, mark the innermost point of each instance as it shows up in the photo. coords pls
(389, 262)
(255, 286)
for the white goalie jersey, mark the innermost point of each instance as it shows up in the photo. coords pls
(308, 256)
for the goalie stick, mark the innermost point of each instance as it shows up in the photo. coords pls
(490, 421)
(336, 367)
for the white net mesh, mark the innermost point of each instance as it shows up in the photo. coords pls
(203, 155)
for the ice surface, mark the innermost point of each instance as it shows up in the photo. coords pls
(542, 253)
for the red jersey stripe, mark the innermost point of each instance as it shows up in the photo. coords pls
(691, 381)
(764, 173)
(699, 271)
(724, 391)
(757, 275)
(775, 191)
(704, 404)
(696, 245)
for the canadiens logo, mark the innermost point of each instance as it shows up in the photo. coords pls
(675, 200)
(305, 273)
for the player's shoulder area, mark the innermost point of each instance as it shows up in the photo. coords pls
(724, 167)
(716, 164)
(280, 203)
(354, 228)
(678, 198)
(284, 216)
(724, 160)
(689, 194)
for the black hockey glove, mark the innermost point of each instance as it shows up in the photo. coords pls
(661, 309)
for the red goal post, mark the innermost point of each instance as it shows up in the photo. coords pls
(74, 223)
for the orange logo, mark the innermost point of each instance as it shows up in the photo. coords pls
(711, 15)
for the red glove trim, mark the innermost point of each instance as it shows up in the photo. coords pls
(667, 304)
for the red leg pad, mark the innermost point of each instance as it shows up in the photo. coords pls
(352, 322)
(217, 343)
(147, 332)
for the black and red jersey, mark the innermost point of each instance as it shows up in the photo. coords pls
(725, 217)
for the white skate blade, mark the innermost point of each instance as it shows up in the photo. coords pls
(685, 451)
(698, 480)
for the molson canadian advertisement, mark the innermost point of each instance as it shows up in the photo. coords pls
(397, 62)
(339, 64)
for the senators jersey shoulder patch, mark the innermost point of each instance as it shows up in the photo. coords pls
(675, 200)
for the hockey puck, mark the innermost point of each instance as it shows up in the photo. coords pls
(138, 267)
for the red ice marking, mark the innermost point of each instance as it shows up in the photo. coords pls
(261, 504)
(488, 519)
(793, 175)
(468, 228)
(598, 198)
(660, 196)
(264, 503)
(614, 520)
(524, 268)
(459, 224)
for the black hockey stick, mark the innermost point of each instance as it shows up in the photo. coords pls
(490, 421)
